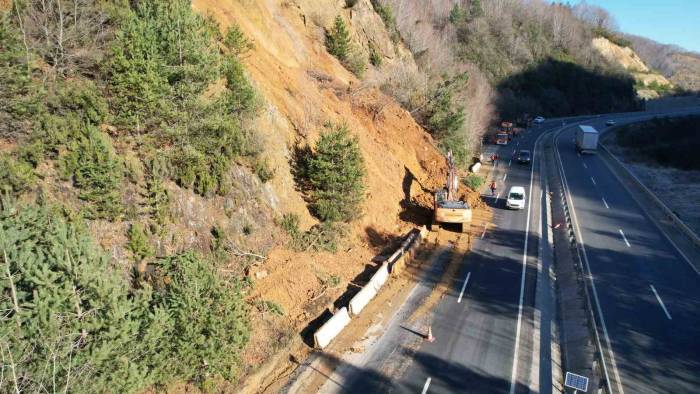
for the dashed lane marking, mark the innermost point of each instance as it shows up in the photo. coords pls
(464, 286)
(668, 315)
(625, 239)
(425, 386)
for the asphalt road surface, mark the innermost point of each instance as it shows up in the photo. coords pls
(648, 294)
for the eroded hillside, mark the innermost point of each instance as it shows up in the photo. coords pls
(305, 87)
(648, 83)
(174, 144)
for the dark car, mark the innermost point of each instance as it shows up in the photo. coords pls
(524, 156)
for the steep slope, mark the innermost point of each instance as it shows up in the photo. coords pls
(304, 87)
(172, 144)
(649, 83)
(681, 67)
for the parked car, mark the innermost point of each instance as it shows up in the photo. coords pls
(539, 119)
(516, 198)
(524, 156)
(610, 123)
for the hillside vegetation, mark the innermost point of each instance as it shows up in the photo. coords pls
(670, 142)
(533, 57)
(104, 103)
(678, 65)
(154, 212)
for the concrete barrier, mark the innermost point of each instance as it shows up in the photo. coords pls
(379, 277)
(324, 335)
(361, 299)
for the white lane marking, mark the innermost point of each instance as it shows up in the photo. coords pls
(590, 277)
(593, 180)
(425, 386)
(584, 165)
(514, 371)
(464, 286)
(661, 302)
(504, 177)
(484, 232)
(606, 203)
(625, 239)
(509, 162)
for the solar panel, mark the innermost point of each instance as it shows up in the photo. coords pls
(576, 382)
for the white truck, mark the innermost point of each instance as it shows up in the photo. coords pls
(586, 139)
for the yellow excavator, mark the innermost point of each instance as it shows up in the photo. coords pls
(447, 208)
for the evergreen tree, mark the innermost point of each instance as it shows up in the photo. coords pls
(71, 322)
(475, 9)
(209, 318)
(338, 40)
(457, 14)
(336, 173)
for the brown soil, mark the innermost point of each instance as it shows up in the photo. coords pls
(304, 87)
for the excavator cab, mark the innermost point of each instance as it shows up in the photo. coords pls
(447, 208)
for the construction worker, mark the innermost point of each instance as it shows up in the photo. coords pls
(493, 188)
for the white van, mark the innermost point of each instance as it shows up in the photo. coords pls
(516, 198)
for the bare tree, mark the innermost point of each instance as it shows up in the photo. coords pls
(68, 35)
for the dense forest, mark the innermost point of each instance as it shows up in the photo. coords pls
(108, 98)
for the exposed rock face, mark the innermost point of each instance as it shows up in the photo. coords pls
(630, 61)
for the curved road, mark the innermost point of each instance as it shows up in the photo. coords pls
(648, 293)
(492, 327)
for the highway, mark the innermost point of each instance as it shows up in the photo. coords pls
(487, 328)
(476, 336)
(648, 294)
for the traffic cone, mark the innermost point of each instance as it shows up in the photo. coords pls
(430, 337)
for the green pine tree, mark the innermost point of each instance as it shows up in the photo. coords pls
(338, 40)
(336, 173)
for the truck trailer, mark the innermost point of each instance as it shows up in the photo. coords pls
(586, 139)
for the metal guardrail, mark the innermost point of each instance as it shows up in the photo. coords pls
(683, 227)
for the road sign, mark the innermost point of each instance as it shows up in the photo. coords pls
(576, 382)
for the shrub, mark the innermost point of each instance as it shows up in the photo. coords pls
(385, 12)
(457, 14)
(15, 176)
(442, 115)
(236, 41)
(209, 318)
(263, 170)
(164, 55)
(374, 56)
(473, 181)
(190, 168)
(138, 243)
(325, 236)
(70, 309)
(94, 170)
(157, 197)
(336, 174)
(356, 63)
(338, 39)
